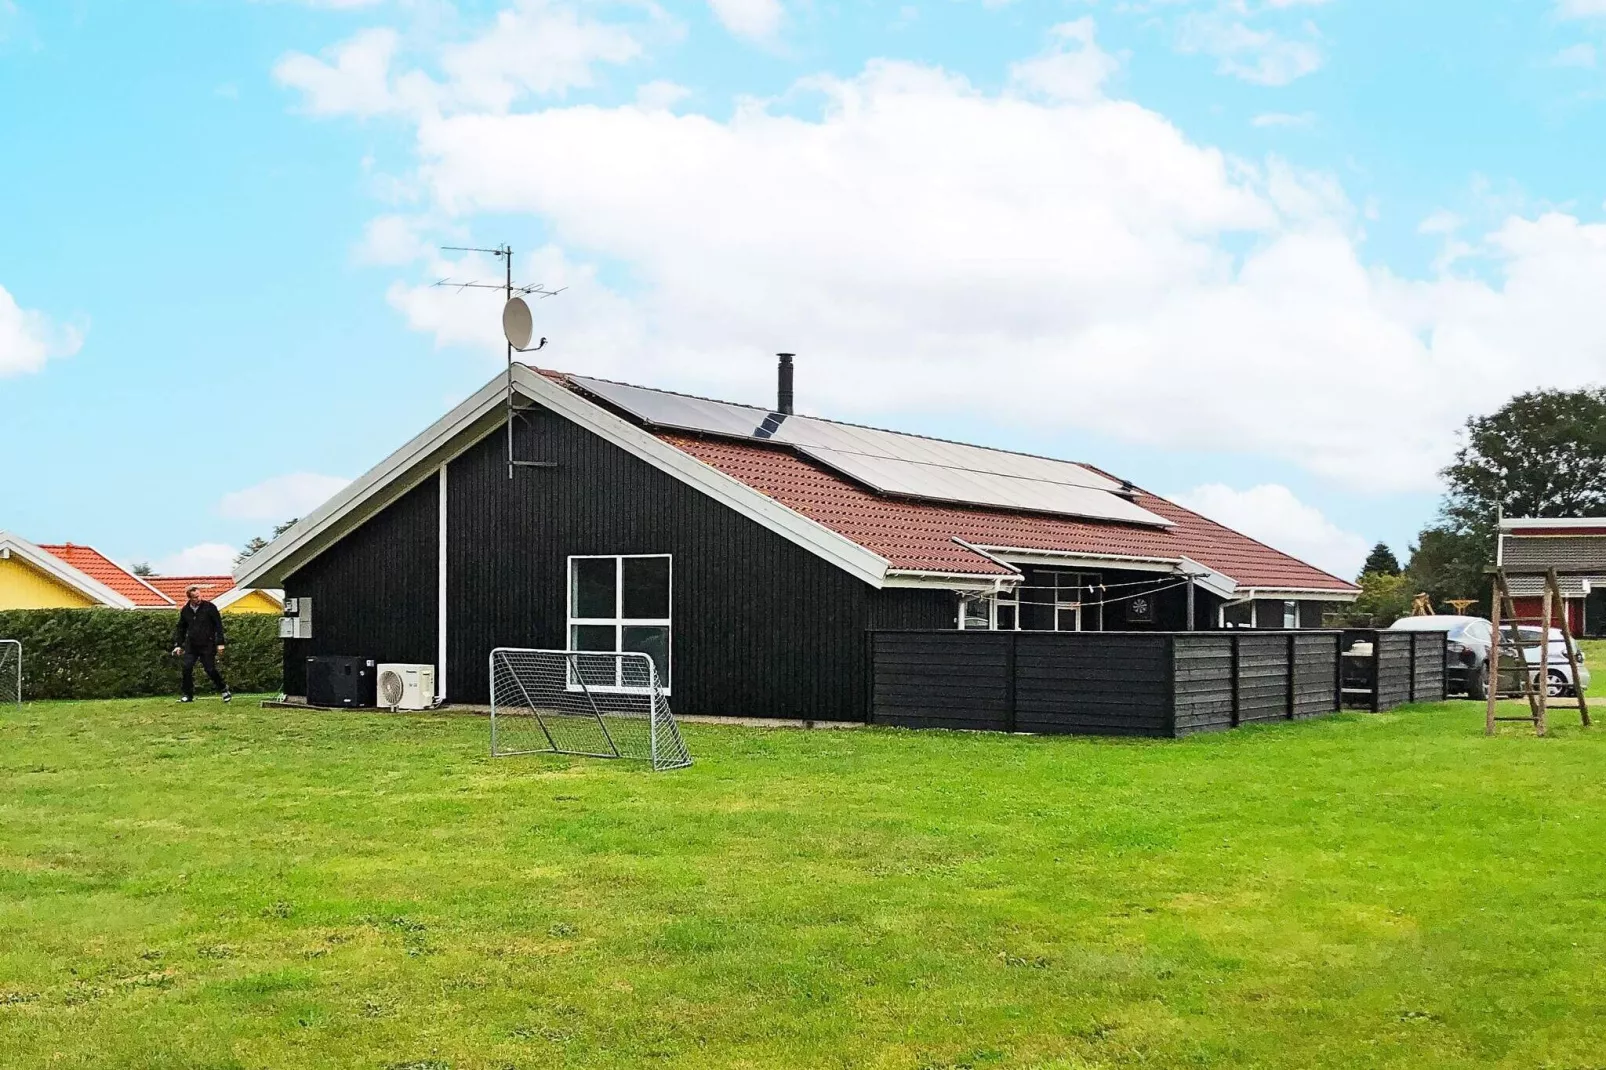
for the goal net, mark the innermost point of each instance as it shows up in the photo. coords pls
(600, 704)
(10, 671)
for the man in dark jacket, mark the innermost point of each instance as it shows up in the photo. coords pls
(199, 637)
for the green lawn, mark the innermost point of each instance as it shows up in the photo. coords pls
(215, 886)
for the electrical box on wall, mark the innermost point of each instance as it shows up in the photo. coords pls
(297, 620)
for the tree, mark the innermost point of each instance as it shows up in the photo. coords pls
(1381, 560)
(1384, 598)
(257, 543)
(143, 568)
(1541, 454)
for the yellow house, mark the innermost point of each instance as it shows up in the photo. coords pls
(68, 576)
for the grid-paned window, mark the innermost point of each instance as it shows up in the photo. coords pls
(622, 603)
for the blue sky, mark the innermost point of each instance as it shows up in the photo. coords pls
(1262, 256)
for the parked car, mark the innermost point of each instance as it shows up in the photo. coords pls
(1558, 673)
(1469, 639)
(1468, 642)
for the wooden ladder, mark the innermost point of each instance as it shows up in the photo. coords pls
(1539, 703)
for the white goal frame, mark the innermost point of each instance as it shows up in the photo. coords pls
(10, 652)
(592, 703)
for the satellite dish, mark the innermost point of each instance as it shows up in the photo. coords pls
(517, 323)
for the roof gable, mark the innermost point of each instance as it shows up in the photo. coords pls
(876, 538)
(102, 569)
(64, 571)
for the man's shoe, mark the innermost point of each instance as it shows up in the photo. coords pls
(227, 695)
(186, 698)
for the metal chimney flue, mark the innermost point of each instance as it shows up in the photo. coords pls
(783, 384)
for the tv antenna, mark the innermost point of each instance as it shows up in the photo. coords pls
(518, 327)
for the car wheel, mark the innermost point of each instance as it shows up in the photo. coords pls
(1556, 683)
(1478, 682)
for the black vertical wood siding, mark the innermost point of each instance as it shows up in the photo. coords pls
(760, 626)
(374, 593)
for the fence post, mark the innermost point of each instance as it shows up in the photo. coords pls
(1338, 672)
(1411, 691)
(869, 677)
(1377, 672)
(1009, 679)
(1171, 682)
(1293, 639)
(1237, 639)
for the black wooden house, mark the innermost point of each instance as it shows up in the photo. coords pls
(749, 551)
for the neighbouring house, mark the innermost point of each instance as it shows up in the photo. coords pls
(221, 591)
(1576, 548)
(748, 550)
(72, 576)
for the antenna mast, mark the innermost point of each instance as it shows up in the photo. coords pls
(510, 292)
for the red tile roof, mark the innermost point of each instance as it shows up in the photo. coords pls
(212, 587)
(97, 566)
(920, 535)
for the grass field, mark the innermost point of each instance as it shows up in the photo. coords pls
(215, 886)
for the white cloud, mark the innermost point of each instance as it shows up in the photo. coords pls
(933, 250)
(352, 79)
(660, 95)
(1272, 514)
(1579, 55)
(1283, 119)
(1261, 56)
(204, 559)
(535, 47)
(1580, 9)
(758, 20)
(281, 497)
(29, 338)
(392, 239)
(1072, 68)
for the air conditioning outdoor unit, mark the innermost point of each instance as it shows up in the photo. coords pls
(406, 687)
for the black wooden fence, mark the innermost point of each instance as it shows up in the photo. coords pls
(1403, 666)
(1113, 683)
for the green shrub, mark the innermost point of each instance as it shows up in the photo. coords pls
(125, 653)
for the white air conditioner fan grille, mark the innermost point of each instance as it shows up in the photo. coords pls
(391, 688)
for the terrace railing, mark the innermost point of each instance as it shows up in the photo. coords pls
(1125, 683)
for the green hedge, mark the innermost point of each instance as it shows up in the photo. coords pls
(124, 653)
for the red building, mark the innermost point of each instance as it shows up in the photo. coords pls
(1576, 548)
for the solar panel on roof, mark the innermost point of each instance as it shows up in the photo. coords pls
(938, 483)
(894, 463)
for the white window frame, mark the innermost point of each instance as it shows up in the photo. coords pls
(619, 621)
(1290, 615)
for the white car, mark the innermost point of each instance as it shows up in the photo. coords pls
(1558, 673)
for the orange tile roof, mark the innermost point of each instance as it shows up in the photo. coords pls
(920, 535)
(212, 587)
(97, 566)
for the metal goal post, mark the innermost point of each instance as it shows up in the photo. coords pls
(599, 704)
(11, 670)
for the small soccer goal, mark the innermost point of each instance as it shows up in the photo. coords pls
(600, 704)
(11, 671)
